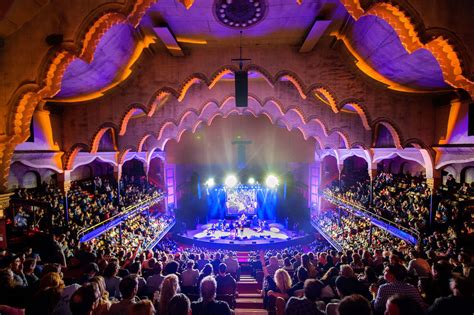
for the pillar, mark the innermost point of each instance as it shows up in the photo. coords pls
(64, 183)
(146, 169)
(372, 169)
(434, 183)
(118, 178)
(64, 180)
(314, 187)
(340, 167)
(118, 172)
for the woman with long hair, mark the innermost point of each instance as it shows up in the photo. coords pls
(104, 303)
(169, 288)
(306, 262)
(283, 284)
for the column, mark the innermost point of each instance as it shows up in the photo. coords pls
(372, 169)
(433, 184)
(146, 169)
(313, 187)
(340, 167)
(118, 178)
(64, 183)
(118, 172)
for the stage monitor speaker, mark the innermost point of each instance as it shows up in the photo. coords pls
(241, 88)
(470, 120)
(232, 242)
(254, 242)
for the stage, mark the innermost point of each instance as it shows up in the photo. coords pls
(273, 236)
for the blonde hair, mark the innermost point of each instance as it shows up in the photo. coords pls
(51, 280)
(169, 288)
(99, 280)
(283, 280)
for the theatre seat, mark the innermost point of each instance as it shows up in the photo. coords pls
(229, 298)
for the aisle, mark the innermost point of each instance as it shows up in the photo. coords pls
(248, 300)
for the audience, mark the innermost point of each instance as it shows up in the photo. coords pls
(208, 305)
(122, 269)
(306, 305)
(354, 304)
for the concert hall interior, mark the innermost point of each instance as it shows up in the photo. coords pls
(237, 156)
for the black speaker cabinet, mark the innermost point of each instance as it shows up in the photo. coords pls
(241, 88)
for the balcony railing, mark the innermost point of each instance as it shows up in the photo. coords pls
(407, 234)
(158, 237)
(328, 238)
(94, 231)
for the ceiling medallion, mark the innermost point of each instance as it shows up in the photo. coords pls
(239, 14)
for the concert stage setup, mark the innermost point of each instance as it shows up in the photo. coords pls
(248, 238)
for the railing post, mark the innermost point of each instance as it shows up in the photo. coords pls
(120, 233)
(372, 174)
(118, 177)
(64, 183)
(370, 234)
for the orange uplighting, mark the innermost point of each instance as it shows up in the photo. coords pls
(191, 41)
(453, 117)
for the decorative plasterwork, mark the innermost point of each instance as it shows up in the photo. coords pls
(95, 33)
(28, 96)
(70, 156)
(292, 118)
(95, 141)
(319, 91)
(376, 155)
(441, 47)
(392, 128)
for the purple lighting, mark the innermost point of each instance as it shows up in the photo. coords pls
(114, 50)
(378, 43)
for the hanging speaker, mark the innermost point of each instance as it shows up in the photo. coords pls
(470, 120)
(241, 88)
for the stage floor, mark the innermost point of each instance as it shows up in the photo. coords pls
(274, 237)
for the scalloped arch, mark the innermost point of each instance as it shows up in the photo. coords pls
(344, 136)
(25, 99)
(123, 154)
(100, 133)
(129, 114)
(327, 97)
(143, 140)
(293, 79)
(70, 156)
(360, 110)
(391, 127)
(271, 108)
(442, 47)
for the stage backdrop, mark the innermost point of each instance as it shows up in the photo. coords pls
(246, 147)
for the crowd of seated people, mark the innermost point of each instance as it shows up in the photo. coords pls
(310, 279)
(402, 199)
(352, 231)
(110, 277)
(89, 201)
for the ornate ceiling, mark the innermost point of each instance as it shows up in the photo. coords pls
(397, 44)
